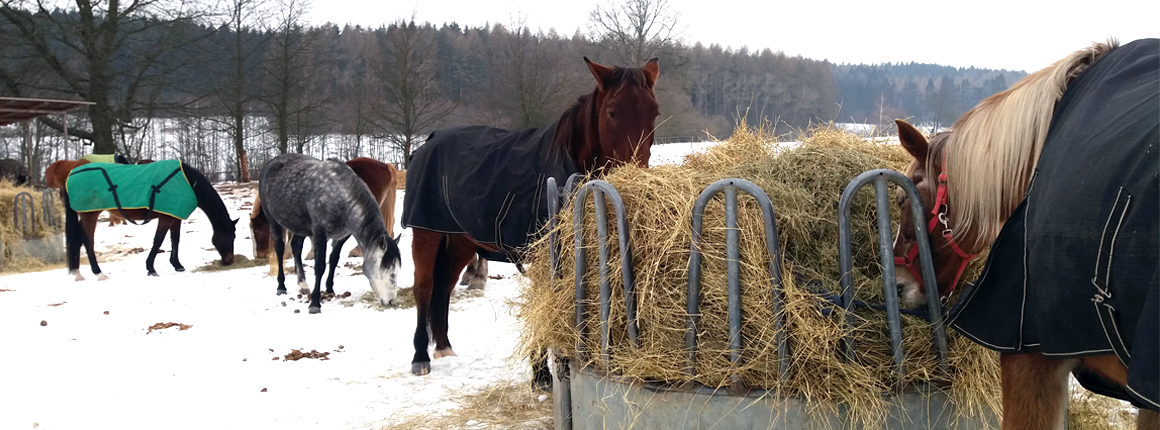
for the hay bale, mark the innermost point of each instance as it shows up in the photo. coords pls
(805, 184)
(13, 259)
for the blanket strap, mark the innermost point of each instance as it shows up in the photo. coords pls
(117, 200)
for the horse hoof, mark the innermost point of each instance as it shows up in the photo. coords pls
(421, 368)
(440, 353)
(315, 309)
(281, 292)
(102, 277)
(153, 274)
(179, 269)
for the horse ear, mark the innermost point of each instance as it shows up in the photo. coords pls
(652, 69)
(912, 140)
(397, 237)
(599, 71)
(236, 221)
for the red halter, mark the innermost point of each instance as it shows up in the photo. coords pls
(938, 216)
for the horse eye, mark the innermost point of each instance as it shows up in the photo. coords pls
(611, 115)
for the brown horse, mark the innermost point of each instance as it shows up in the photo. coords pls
(1056, 175)
(480, 190)
(57, 173)
(80, 224)
(380, 177)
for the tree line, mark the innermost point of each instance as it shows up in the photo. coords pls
(256, 77)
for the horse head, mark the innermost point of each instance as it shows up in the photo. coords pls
(926, 171)
(381, 266)
(223, 241)
(624, 108)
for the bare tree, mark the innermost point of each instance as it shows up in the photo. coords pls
(634, 30)
(407, 74)
(234, 90)
(115, 54)
(290, 75)
(535, 75)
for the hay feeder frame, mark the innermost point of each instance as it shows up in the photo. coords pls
(49, 249)
(588, 398)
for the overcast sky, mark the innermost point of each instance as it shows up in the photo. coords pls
(1011, 34)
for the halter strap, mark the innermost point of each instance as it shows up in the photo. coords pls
(938, 214)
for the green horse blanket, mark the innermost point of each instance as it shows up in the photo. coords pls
(160, 186)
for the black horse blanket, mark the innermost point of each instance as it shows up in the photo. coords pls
(1074, 270)
(485, 182)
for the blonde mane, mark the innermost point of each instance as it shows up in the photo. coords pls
(993, 149)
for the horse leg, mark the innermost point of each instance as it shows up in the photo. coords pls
(1148, 420)
(475, 276)
(162, 227)
(296, 249)
(175, 241)
(425, 245)
(1034, 391)
(335, 254)
(318, 242)
(89, 223)
(279, 251)
(469, 272)
(458, 253)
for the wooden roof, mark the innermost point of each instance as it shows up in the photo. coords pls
(19, 109)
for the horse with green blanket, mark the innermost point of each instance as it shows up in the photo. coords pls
(167, 190)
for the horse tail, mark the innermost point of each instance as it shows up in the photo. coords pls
(441, 288)
(73, 232)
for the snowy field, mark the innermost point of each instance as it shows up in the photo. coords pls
(80, 355)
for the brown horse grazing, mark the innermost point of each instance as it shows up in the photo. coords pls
(480, 190)
(380, 177)
(90, 192)
(1058, 176)
(56, 174)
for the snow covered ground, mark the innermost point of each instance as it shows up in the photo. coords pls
(79, 355)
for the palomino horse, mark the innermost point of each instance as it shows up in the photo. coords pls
(480, 190)
(167, 191)
(1058, 174)
(326, 200)
(380, 177)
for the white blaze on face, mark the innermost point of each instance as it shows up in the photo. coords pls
(383, 279)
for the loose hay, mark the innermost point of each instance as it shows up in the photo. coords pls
(240, 262)
(805, 184)
(163, 326)
(15, 261)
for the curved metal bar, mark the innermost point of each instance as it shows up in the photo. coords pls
(730, 187)
(880, 178)
(553, 196)
(601, 190)
(48, 201)
(21, 205)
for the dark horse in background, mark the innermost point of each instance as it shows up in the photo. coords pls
(327, 201)
(14, 171)
(480, 190)
(382, 180)
(80, 228)
(1059, 176)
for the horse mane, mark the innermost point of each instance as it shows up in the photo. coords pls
(580, 119)
(993, 149)
(207, 198)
